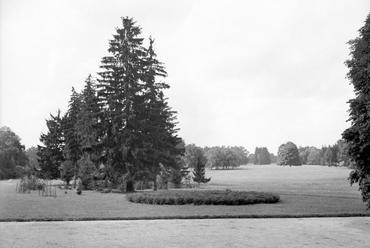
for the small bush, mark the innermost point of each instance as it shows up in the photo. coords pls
(202, 197)
(29, 183)
(106, 190)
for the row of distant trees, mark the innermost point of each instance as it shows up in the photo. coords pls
(290, 154)
(225, 157)
(230, 157)
(334, 155)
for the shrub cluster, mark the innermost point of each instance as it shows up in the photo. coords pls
(30, 183)
(203, 197)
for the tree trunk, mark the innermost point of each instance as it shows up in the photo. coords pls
(130, 186)
(66, 185)
(74, 175)
(155, 183)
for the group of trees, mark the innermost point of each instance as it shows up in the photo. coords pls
(290, 154)
(335, 155)
(121, 120)
(196, 159)
(226, 157)
(13, 159)
(262, 156)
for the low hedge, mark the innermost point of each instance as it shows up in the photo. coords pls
(202, 197)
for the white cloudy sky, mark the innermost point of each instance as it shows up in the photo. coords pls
(251, 73)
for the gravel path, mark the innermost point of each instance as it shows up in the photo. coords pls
(285, 233)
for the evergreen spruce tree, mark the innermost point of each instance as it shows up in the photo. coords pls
(357, 136)
(119, 91)
(88, 124)
(160, 143)
(199, 171)
(51, 152)
(196, 159)
(72, 149)
(89, 132)
(140, 133)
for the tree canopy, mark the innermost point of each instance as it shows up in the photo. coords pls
(51, 152)
(262, 156)
(226, 157)
(196, 160)
(288, 154)
(358, 135)
(12, 154)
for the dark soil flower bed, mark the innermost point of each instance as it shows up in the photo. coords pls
(202, 197)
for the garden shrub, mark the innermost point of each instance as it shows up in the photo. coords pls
(202, 197)
(107, 190)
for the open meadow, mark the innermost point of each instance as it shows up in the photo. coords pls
(304, 191)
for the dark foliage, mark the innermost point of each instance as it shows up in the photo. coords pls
(358, 135)
(125, 124)
(12, 155)
(226, 157)
(196, 159)
(288, 154)
(262, 156)
(51, 152)
(203, 197)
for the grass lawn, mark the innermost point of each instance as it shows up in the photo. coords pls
(305, 190)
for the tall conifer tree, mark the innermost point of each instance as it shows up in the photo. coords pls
(89, 132)
(51, 152)
(160, 143)
(72, 149)
(88, 123)
(119, 91)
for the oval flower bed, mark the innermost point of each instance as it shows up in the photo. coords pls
(202, 197)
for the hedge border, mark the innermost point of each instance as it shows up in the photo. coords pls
(193, 217)
(202, 197)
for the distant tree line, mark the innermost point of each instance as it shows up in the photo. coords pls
(334, 155)
(290, 154)
(226, 157)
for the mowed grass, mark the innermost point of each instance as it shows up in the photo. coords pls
(303, 191)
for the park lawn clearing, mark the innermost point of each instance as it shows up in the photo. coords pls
(203, 197)
(304, 191)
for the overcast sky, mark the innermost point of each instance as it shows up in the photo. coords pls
(250, 73)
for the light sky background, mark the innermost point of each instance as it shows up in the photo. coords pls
(249, 73)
